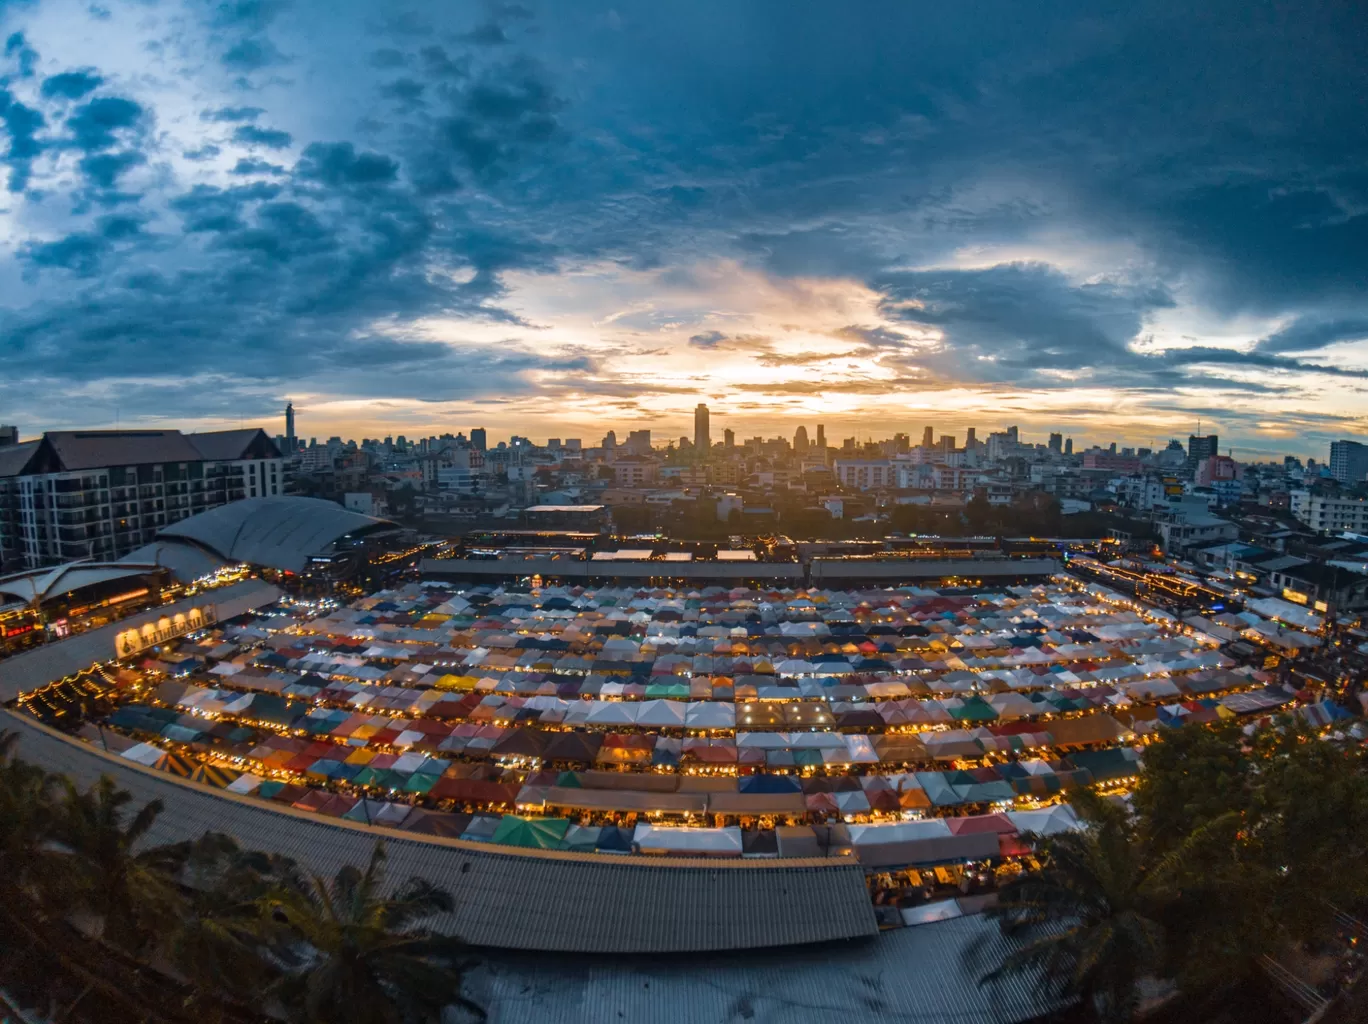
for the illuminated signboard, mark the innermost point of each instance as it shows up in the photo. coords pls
(136, 639)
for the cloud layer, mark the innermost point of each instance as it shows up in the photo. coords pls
(541, 215)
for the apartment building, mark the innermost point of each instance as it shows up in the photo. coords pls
(865, 474)
(104, 493)
(1330, 514)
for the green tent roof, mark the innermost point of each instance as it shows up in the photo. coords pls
(532, 833)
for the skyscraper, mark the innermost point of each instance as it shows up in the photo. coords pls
(610, 440)
(729, 438)
(1349, 461)
(478, 439)
(821, 437)
(970, 439)
(1202, 448)
(290, 444)
(928, 438)
(1068, 446)
(1057, 443)
(702, 436)
(800, 440)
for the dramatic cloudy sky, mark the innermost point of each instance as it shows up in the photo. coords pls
(561, 216)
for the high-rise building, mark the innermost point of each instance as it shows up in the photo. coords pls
(290, 444)
(105, 493)
(609, 440)
(639, 442)
(1349, 461)
(1012, 436)
(800, 440)
(1202, 448)
(970, 439)
(1057, 443)
(928, 438)
(702, 435)
(729, 438)
(479, 440)
(1068, 446)
(821, 437)
(947, 444)
(9, 435)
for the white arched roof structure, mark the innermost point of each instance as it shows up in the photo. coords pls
(281, 532)
(45, 584)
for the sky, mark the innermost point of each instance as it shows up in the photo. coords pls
(558, 218)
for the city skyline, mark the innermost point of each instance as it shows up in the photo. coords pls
(551, 219)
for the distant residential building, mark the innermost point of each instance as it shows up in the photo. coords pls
(1057, 443)
(1322, 586)
(1188, 524)
(479, 440)
(1330, 514)
(1111, 462)
(105, 493)
(821, 437)
(929, 437)
(1348, 461)
(865, 474)
(634, 471)
(639, 442)
(1215, 469)
(363, 502)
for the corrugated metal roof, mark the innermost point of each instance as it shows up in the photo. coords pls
(13, 457)
(64, 579)
(919, 974)
(538, 900)
(226, 445)
(282, 532)
(97, 449)
(187, 561)
(43, 664)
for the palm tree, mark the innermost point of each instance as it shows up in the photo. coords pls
(106, 871)
(1089, 925)
(354, 953)
(216, 943)
(26, 818)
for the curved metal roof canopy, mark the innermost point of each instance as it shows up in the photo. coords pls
(282, 533)
(45, 584)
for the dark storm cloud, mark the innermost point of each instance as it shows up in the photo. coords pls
(339, 165)
(22, 125)
(231, 114)
(71, 85)
(251, 166)
(1022, 318)
(1307, 334)
(24, 56)
(103, 170)
(271, 138)
(252, 55)
(99, 123)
